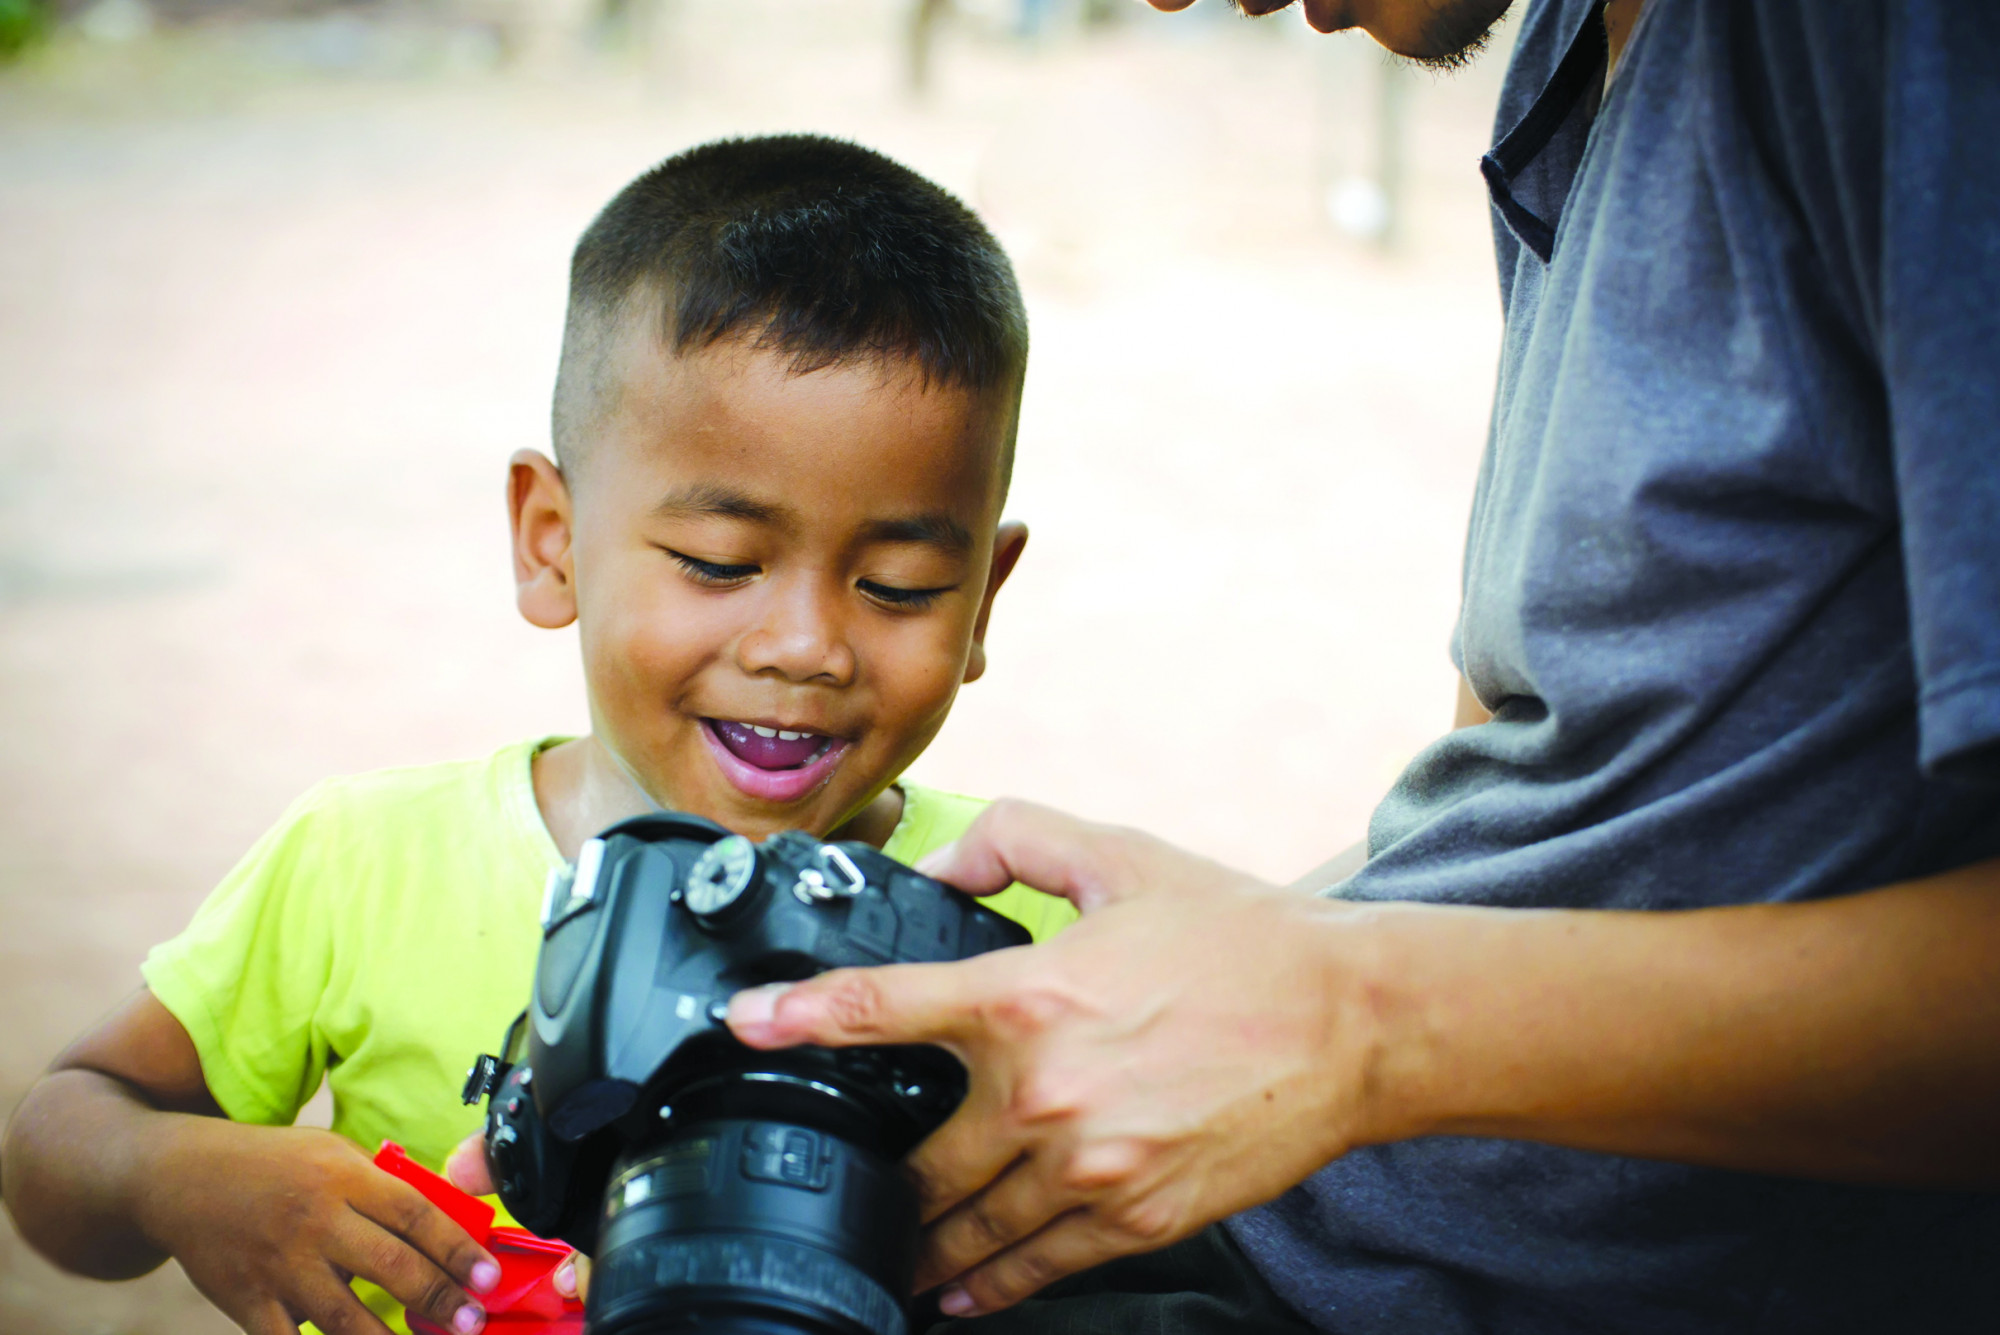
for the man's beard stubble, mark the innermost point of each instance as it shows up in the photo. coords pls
(1450, 36)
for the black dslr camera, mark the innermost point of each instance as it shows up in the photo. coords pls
(721, 1189)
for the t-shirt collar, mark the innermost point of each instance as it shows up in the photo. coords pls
(1529, 172)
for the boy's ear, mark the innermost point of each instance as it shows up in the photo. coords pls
(1008, 543)
(538, 507)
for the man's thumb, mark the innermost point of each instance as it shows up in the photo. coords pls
(1089, 865)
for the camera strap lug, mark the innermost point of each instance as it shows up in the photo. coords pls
(486, 1075)
(815, 887)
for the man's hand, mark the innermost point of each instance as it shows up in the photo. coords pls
(271, 1223)
(1181, 1053)
(1198, 1042)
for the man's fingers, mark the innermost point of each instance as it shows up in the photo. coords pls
(1018, 1203)
(1076, 1241)
(1089, 865)
(412, 1279)
(961, 1157)
(899, 1003)
(466, 1169)
(403, 1211)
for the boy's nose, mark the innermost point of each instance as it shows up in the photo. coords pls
(798, 639)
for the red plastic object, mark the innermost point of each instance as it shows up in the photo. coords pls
(525, 1301)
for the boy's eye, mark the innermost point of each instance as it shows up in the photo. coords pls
(910, 598)
(711, 572)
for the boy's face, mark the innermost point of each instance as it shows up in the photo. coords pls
(780, 580)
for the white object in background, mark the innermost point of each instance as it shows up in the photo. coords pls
(1358, 206)
(116, 21)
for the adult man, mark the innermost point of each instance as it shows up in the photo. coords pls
(1732, 597)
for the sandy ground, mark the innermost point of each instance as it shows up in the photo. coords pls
(268, 332)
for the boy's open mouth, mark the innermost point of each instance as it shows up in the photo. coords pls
(772, 764)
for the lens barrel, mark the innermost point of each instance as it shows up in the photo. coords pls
(753, 1227)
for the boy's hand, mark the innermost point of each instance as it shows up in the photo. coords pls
(466, 1169)
(272, 1222)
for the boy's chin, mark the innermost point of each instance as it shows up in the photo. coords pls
(713, 793)
(762, 825)
(818, 813)
(823, 814)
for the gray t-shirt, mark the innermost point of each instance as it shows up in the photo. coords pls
(1732, 591)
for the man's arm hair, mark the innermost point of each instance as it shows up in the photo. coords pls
(1850, 1039)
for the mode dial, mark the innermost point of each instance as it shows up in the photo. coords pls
(719, 879)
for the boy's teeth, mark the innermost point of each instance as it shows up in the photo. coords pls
(782, 734)
(770, 748)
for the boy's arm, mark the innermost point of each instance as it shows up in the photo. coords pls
(70, 1148)
(119, 1158)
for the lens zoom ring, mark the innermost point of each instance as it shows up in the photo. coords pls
(752, 1264)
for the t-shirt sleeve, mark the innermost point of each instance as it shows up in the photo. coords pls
(1941, 357)
(247, 976)
(1885, 114)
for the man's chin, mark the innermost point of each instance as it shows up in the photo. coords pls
(1444, 34)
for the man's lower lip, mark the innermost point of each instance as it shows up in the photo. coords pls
(774, 785)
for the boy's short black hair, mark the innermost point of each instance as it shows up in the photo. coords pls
(806, 245)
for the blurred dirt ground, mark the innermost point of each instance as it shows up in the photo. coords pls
(271, 321)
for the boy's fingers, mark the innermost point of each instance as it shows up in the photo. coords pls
(898, 1003)
(268, 1318)
(402, 1210)
(370, 1251)
(329, 1304)
(467, 1170)
(572, 1277)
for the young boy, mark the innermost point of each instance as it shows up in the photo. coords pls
(785, 419)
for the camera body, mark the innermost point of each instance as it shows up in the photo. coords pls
(718, 1187)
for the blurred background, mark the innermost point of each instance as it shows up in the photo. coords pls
(281, 285)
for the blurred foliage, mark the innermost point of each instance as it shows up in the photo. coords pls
(22, 22)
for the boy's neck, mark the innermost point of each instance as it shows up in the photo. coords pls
(580, 789)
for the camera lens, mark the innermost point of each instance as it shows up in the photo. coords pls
(754, 1226)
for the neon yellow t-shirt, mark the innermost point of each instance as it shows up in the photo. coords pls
(384, 933)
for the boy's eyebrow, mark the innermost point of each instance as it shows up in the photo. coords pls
(709, 498)
(933, 530)
(714, 499)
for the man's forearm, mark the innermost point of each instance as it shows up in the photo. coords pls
(1200, 1042)
(1855, 1038)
